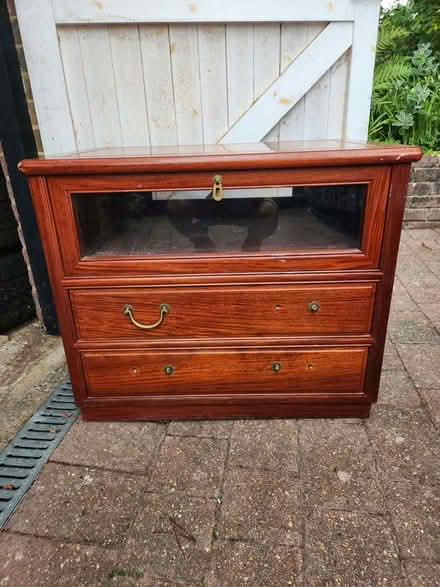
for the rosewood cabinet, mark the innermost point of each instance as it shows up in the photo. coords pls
(223, 281)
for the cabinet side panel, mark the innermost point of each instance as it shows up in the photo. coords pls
(390, 249)
(46, 225)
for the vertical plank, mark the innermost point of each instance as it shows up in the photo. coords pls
(294, 39)
(240, 69)
(76, 87)
(360, 82)
(129, 81)
(307, 69)
(337, 96)
(186, 81)
(43, 59)
(266, 56)
(266, 63)
(212, 56)
(101, 90)
(155, 51)
(316, 99)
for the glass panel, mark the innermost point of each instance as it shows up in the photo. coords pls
(253, 219)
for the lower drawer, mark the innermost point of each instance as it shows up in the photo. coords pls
(323, 370)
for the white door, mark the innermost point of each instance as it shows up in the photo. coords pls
(131, 73)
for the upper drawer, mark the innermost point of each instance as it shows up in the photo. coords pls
(233, 221)
(233, 311)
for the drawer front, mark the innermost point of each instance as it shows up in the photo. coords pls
(318, 371)
(211, 312)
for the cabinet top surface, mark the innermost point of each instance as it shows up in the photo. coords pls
(214, 157)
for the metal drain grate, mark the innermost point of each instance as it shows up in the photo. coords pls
(22, 460)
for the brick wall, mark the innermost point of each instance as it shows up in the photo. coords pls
(423, 203)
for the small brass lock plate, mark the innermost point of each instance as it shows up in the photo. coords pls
(276, 367)
(314, 306)
(217, 188)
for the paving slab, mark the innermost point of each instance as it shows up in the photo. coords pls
(191, 465)
(421, 235)
(4, 391)
(427, 248)
(171, 537)
(421, 283)
(401, 300)
(431, 398)
(23, 560)
(432, 311)
(406, 444)
(391, 359)
(79, 504)
(415, 511)
(411, 327)
(241, 563)
(404, 248)
(422, 362)
(80, 565)
(432, 261)
(397, 390)
(202, 428)
(338, 469)
(120, 446)
(264, 444)
(126, 576)
(262, 506)
(350, 549)
(422, 574)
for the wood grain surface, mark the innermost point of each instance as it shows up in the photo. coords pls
(233, 317)
(201, 312)
(294, 154)
(334, 370)
(367, 257)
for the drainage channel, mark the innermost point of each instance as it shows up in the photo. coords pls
(23, 459)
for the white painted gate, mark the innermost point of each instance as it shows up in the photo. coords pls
(141, 72)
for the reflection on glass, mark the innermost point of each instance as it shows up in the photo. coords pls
(254, 219)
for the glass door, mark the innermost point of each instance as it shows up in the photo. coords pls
(179, 223)
(317, 219)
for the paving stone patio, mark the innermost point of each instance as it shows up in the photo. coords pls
(308, 502)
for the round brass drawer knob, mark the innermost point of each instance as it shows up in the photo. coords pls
(276, 367)
(314, 306)
(168, 369)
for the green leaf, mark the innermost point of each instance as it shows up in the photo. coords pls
(396, 68)
(404, 120)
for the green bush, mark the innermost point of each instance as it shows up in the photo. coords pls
(406, 89)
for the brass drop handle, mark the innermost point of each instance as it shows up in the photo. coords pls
(217, 188)
(127, 310)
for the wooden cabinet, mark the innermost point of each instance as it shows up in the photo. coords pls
(220, 282)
